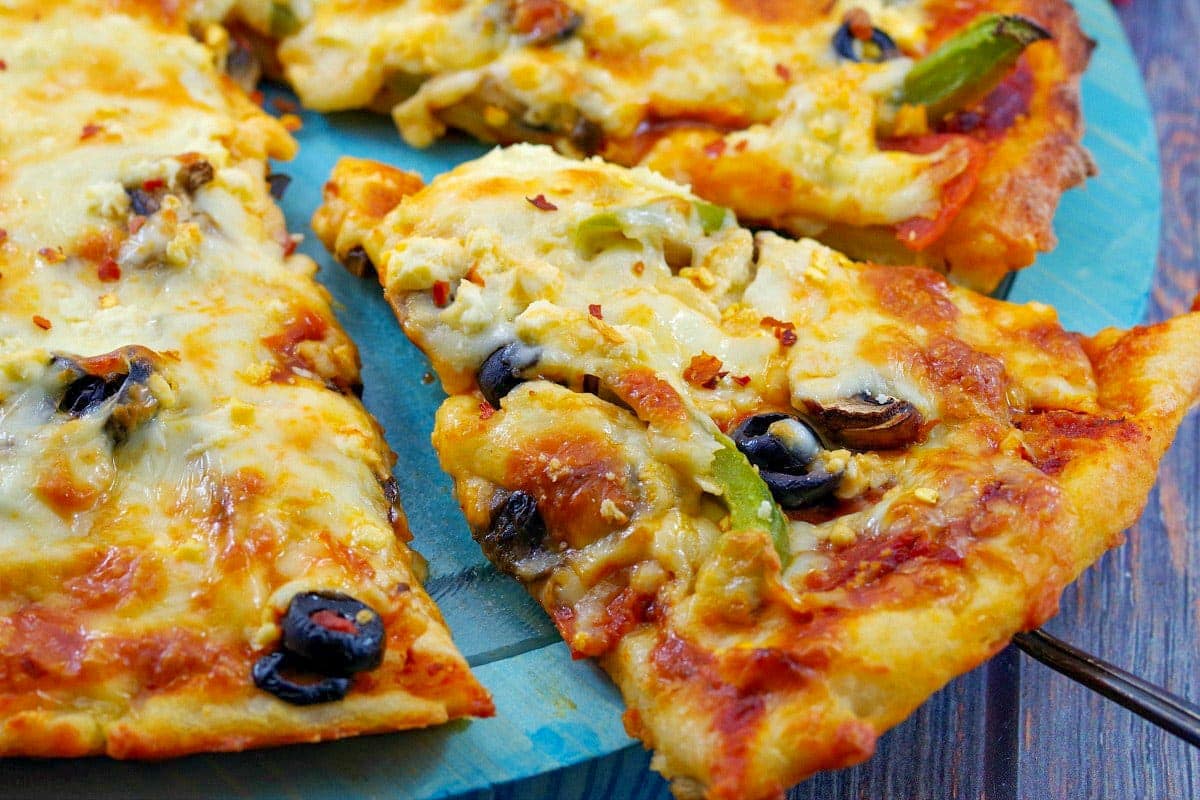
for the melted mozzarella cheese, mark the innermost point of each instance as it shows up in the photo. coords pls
(178, 453)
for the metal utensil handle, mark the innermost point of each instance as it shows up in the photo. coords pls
(1148, 701)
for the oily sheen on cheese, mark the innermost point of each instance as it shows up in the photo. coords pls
(748, 102)
(970, 457)
(181, 451)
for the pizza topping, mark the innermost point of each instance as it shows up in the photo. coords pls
(267, 676)
(543, 21)
(333, 633)
(116, 383)
(283, 20)
(358, 262)
(541, 203)
(514, 538)
(785, 451)
(278, 184)
(968, 65)
(870, 422)
(877, 46)
(501, 371)
(143, 202)
(195, 175)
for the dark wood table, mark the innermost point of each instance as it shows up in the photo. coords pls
(1013, 729)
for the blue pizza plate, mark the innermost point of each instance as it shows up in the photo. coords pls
(553, 712)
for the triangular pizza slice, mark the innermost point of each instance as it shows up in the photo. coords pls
(781, 496)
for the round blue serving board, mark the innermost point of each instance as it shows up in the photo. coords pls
(552, 712)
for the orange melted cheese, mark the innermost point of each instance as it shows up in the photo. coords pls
(180, 451)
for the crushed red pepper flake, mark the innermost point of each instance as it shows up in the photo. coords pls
(284, 105)
(595, 310)
(3, 236)
(704, 370)
(441, 293)
(485, 410)
(540, 202)
(783, 72)
(256, 97)
(785, 332)
(51, 254)
(90, 130)
(741, 146)
(109, 270)
(289, 246)
(3, 65)
(135, 223)
(639, 267)
(741, 380)
(859, 23)
(715, 149)
(153, 184)
(41, 322)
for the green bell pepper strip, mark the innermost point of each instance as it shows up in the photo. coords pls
(284, 21)
(594, 233)
(712, 216)
(606, 228)
(969, 64)
(744, 493)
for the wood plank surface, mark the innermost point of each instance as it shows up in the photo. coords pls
(1140, 607)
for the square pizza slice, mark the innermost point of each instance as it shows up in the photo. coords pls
(201, 547)
(781, 496)
(936, 131)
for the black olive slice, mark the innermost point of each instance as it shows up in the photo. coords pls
(142, 202)
(88, 392)
(332, 633)
(266, 675)
(500, 372)
(358, 262)
(798, 491)
(849, 47)
(278, 183)
(870, 422)
(776, 441)
(514, 538)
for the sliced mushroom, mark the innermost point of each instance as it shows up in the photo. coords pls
(870, 422)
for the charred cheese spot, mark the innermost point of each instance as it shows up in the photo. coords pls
(916, 296)
(1056, 439)
(652, 399)
(582, 485)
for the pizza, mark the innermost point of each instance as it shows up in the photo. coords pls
(781, 496)
(939, 132)
(202, 546)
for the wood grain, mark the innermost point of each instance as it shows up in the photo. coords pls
(1140, 608)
